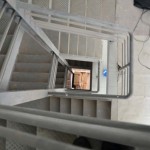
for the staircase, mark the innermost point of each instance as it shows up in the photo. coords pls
(32, 71)
(32, 67)
(82, 107)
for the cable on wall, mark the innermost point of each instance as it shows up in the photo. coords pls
(142, 41)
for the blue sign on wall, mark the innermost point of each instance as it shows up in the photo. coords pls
(105, 72)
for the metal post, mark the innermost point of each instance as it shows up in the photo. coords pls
(6, 31)
(3, 10)
(53, 72)
(11, 56)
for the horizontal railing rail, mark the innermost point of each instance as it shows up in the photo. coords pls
(38, 34)
(103, 130)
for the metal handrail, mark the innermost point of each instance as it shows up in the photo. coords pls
(113, 28)
(37, 33)
(103, 130)
(81, 19)
(77, 94)
(7, 29)
(3, 9)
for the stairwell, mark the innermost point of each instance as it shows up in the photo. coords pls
(32, 67)
(31, 71)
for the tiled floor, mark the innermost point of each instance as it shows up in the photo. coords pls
(137, 108)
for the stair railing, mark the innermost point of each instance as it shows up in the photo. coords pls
(129, 134)
(104, 30)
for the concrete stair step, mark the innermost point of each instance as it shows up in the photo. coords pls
(29, 77)
(60, 74)
(33, 67)
(77, 106)
(60, 81)
(34, 58)
(27, 85)
(34, 51)
(59, 86)
(65, 105)
(103, 109)
(60, 68)
(55, 104)
(89, 108)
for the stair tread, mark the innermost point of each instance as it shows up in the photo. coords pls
(30, 82)
(27, 85)
(77, 106)
(61, 69)
(33, 67)
(36, 73)
(34, 58)
(49, 55)
(60, 74)
(104, 109)
(65, 105)
(60, 81)
(30, 77)
(55, 104)
(89, 108)
(59, 86)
